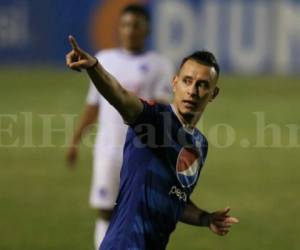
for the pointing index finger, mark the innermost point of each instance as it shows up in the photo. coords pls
(73, 43)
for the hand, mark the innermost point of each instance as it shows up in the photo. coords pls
(78, 59)
(221, 222)
(72, 155)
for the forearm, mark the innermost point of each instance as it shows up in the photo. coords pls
(127, 104)
(106, 84)
(193, 215)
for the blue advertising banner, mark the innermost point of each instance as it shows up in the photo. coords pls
(33, 31)
(247, 36)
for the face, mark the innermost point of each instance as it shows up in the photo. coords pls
(133, 31)
(194, 86)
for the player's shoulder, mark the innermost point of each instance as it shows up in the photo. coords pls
(202, 137)
(158, 106)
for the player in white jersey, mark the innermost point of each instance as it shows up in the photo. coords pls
(145, 73)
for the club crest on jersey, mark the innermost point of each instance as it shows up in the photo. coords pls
(144, 68)
(187, 166)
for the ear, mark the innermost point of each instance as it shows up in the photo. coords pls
(215, 93)
(174, 82)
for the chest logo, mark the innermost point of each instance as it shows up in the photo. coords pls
(187, 166)
(144, 68)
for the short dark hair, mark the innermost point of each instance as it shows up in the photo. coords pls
(203, 57)
(137, 9)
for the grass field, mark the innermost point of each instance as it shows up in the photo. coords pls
(44, 206)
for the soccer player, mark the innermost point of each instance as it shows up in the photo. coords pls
(164, 153)
(145, 73)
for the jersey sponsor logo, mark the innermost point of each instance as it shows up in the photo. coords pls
(187, 167)
(182, 196)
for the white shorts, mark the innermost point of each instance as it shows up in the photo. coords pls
(105, 181)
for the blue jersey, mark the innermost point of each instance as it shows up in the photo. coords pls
(161, 165)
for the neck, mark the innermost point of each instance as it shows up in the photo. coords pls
(187, 120)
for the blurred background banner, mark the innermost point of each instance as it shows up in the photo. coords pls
(33, 31)
(247, 36)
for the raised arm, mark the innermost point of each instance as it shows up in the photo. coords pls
(218, 222)
(125, 102)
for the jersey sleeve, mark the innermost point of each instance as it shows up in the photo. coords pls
(149, 126)
(149, 114)
(163, 88)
